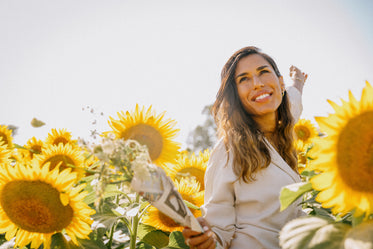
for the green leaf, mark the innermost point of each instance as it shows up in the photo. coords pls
(191, 205)
(312, 232)
(360, 236)
(142, 245)
(177, 241)
(307, 173)
(110, 191)
(152, 236)
(357, 220)
(59, 242)
(94, 241)
(108, 220)
(291, 193)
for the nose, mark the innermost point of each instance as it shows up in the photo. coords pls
(257, 83)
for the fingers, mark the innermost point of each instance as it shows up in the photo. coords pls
(294, 70)
(205, 240)
(297, 74)
(202, 241)
(187, 233)
(205, 225)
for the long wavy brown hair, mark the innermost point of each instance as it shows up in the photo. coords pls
(241, 133)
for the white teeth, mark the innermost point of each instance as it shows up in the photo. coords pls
(262, 96)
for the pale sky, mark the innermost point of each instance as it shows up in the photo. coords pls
(57, 57)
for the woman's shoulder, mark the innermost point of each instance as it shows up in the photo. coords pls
(219, 149)
(219, 155)
(220, 164)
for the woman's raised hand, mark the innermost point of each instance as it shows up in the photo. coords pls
(297, 75)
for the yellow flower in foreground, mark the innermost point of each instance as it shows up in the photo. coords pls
(304, 132)
(56, 137)
(66, 156)
(189, 166)
(36, 203)
(189, 190)
(346, 156)
(148, 129)
(6, 136)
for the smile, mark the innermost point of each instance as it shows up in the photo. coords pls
(261, 96)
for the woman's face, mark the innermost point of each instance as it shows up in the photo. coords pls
(259, 88)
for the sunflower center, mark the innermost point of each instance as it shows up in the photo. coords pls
(36, 148)
(55, 160)
(167, 221)
(355, 152)
(302, 133)
(146, 135)
(35, 206)
(302, 158)
(60, 140)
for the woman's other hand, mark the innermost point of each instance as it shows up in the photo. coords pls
(298, 77)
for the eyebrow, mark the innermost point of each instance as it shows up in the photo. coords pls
(258, 69)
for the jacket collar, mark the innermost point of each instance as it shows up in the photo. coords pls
(278, 161)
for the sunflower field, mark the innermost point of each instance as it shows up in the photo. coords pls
(62, 192)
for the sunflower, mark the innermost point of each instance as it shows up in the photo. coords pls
(5, 154)
(65, 156)
(33, 147)
(36, 203)
(6, 136)
(346, 156)
(148, 129)
(56, 137)
(304, 132)
(189, 190)
(205, 155)
(189, 166)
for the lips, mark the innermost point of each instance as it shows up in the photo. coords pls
(261, 96)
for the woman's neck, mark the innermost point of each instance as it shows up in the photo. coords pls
(267, 123)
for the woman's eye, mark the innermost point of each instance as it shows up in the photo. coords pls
(264, 71)
(243, 79)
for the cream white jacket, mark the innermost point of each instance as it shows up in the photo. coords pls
(247, 215)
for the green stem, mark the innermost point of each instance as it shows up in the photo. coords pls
(135, 224)
(111, 237)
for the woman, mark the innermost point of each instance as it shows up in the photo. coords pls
(254, 158)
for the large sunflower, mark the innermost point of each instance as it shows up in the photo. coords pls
(346, 156)
(56, 137)
(66, 156)
(6, 136)
(189, 166)
(304, 132)
(148, 129)
(189, 190)
(36, 203)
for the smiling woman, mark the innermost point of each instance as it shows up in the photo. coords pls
(255, 116)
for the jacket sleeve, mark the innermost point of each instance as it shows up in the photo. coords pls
(218, 208)
(296, 106)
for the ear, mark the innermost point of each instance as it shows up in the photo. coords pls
(282, 84)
